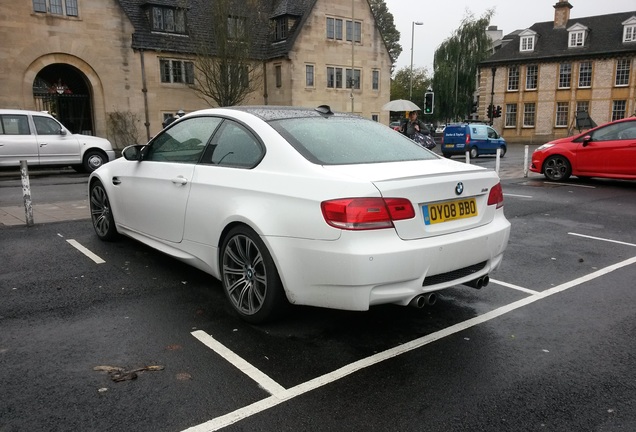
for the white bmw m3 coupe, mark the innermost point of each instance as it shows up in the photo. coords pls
(304, 206)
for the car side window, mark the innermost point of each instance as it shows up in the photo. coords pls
(184, 142)
(234, 146)
(492, 134)
(14, 125)
(46, 126)
(616, 131)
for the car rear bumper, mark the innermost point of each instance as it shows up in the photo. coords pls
(362, 269)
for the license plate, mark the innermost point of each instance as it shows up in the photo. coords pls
(449, 145)
(449, 211)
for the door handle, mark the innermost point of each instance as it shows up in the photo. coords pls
(179, 180)
(116, 181)
(43, 144)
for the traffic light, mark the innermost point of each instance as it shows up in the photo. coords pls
(491, 108)
(498, 111)
(429, 102)
(474, 107)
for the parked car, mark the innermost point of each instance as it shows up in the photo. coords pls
(477, 138)
(605, 151)
(40, 139)
(440, 129)
(304, 206)
(395, 125)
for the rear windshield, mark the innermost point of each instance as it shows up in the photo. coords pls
(348, 140)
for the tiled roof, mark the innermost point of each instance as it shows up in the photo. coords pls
(604, 38)
(198, 27)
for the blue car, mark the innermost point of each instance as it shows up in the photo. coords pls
(478, 139)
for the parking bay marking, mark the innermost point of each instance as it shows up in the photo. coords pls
(300, 389)
(85, 251)
(518, 288)
(602, 239)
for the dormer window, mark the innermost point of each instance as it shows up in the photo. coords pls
(577, 34)
(527, 40)
(282, 25)
(629, 30)
(166, 19)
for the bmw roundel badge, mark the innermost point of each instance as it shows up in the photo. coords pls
(459, 188)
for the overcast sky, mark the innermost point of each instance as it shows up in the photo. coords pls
(442, 17)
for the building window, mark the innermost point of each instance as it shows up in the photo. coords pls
(176, 71)
(236, 27)
(375, 80)
(281, 28)
(577, 39)
(511, 115)
(375, 117)
(622, 72)
(582, 106)
(334, 77)
(618, 109)
(527, 43)
(309, 75)
(629, 33)
(513, 78)
(334, 28)
(529, 113)
(532, 73)
(357, 31)
(56, 7)
(585, 74)
(565, 75)
(562, 113)
(353, 80)
(168, 20)
(279, 76)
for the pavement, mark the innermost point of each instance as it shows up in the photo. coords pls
(44, 213)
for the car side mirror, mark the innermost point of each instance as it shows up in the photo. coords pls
(132, 153)
(586, 140)
(63, 132)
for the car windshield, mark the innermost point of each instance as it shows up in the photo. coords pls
(348, 140)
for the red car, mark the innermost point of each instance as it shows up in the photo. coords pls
(605, 151)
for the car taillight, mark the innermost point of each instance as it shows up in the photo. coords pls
(366, 213)
(496, 196)
(467, 139)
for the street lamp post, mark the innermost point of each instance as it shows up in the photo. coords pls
(413, 24)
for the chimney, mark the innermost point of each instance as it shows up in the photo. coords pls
(561, 13)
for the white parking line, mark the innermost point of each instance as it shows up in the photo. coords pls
(263, 380)
(85, 251)
(517, 196)
(285, 395)
(518, 288)
(603, 239)
(573, 184)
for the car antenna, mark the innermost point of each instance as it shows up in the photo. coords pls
(324, 109)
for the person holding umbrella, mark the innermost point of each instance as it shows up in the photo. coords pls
(414, 125)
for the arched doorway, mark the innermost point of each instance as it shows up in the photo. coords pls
(63, 91)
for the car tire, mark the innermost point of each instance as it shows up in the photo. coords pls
(447, 155)
(502, 153)
(557, 168)
(101, 212)
(250, 278)
(474, 153)
(93, 159)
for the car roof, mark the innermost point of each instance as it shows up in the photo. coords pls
(272, 112)
(20, 111)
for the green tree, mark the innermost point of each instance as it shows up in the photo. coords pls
(390, 34)
(455, 67)
(401, 81)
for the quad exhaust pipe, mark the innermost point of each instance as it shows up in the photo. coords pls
(479, 282)
(422, 300)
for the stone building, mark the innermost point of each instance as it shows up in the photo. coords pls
(88, 61)
(547, 75)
